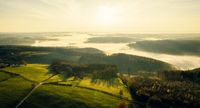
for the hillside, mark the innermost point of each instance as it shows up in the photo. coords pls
(174, 47)
(188, 75)
(17, 82)
(126, 63)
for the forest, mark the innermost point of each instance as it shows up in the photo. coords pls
(124, 81)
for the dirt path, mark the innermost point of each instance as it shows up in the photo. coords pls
(28, 95)
(55, 83)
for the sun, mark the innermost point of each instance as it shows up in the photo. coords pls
(106, 15)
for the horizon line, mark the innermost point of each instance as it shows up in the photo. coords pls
(111, 32)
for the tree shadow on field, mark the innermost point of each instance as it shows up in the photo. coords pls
(42, 99)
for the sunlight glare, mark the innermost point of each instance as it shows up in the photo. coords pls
(106, 15)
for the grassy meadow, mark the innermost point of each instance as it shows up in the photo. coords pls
(84, 95)
(47, 77)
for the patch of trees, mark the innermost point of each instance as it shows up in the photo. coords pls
(36, 54)
(110, 40)
(127, 63)
(177, 47)
(103, 72)
(190, 75)
(153, 93)
(11, 58)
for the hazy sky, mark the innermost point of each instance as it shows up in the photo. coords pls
(140, 16)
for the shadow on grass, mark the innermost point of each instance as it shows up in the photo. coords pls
(42, 99)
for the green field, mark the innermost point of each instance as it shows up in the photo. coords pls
(35, 72)
(38, 72)
(13, 90)
(104, 87)
(61, 95)
(4, 76)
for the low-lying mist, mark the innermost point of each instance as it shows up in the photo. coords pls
(118, 43)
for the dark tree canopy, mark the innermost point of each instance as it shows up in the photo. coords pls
(66, 69)
(11, 58)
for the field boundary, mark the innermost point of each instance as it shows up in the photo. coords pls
(15, 75)
(66, 85)
(69, 85)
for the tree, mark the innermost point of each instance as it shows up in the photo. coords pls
(103, 72)
(12, 58)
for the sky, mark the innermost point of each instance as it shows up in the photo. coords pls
(135, 16)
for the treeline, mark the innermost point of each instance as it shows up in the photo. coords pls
(145, 92)
(153, 93)
(190, 75)
(170, 89)
(126, 63)
(104, 73)
(166, 94)
(174, 47)
(17, 55)
(11, 59)
(96, 71)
